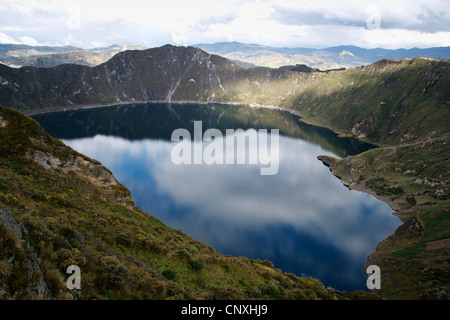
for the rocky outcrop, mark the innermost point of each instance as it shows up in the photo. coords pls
(36, 287)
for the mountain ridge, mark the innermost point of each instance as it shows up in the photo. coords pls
(182, 74)
(245, 55)
(70, 77)
(50, 56)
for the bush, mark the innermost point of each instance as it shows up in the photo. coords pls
(169, 274)
(196, 265)
(225, 293)
(381, 186)
(54, 280)
(271, 290)
(267, 263)
(227, 267)
(411, 200)
(5, 268)
(144, 285)
(118, 272)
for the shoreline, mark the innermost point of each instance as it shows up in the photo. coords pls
(180, 102)
(330, 163)
(87, 107)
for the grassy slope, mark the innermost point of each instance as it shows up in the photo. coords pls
(72, 211)
(389, 102)
(403, 106)
(414, 179)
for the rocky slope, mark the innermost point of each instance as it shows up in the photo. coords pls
(167, 73)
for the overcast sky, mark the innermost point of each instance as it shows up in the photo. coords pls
(287, 23)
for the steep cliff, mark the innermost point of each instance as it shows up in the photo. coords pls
(160, 74)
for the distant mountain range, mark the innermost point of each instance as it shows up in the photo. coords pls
(244, 55)
(17, 55)
(329, 58)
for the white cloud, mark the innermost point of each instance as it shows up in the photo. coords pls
(4, 38)
(179, 39)
(28, 40)
(402, 38)
(71, 41)
(289, 23)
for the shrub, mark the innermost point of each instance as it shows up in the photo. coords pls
(267, 263)
(118, 272)
(184, 253)
(5, 268)
(411, 200)
(382, 188)
(227, 267)
(225, 293)
(145, 285)
(271, 290)
(54, 280)
(169, 274)
(196, 265)
(298, 294)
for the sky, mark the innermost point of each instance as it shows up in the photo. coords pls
(388, 24)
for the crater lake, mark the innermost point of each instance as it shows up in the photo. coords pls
(302, 218)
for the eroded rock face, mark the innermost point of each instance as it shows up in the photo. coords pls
(46, 161)
(84, 172)
(89, 172)
(36, 287)
(158, 74)
(3, 122)
(9, 223)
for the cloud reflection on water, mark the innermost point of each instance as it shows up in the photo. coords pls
(303, 218)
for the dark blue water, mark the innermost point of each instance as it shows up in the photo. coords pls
(302, 219)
